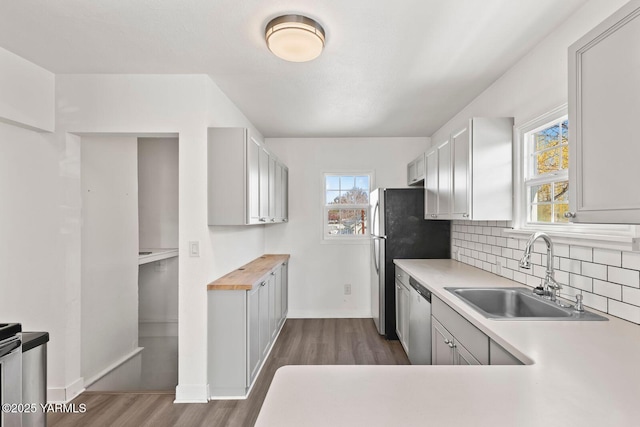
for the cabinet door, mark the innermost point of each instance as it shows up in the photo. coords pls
(399, 311)
(285, 290)
(273, 316)
(253, 181)
(254, 349)
(461, 165)
(411, 173)
(405, 312)
(272, 189)
(604, 67)
(431, 185)
(285, 194)
(442, 346)
(278, 193)
(420, 167)
(264, 185)
(278, 297)
(444, 180)
(265, 336)
(463, 356)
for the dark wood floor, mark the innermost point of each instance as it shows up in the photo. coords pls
(301, 342)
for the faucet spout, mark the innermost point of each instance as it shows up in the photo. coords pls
(550, 284)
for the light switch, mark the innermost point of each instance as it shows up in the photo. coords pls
(194, 249)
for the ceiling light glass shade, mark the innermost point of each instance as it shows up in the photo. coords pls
(295, 38)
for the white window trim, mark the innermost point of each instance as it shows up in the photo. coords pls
(615, 236)
(353, 239)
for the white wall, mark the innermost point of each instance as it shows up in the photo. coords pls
(39, 282)
(186, 105)
(158, 192)
(28, 93)
(109, 309)
(317, 271)
(538, 83)
(158, 218)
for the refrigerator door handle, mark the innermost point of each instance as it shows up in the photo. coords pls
(379, 237)
(375, 217)
(375, 257)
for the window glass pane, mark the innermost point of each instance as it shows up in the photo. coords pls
(332, 183)
(541, 213)
(561, 191)
(362, 182)
(558, 212)
(547, 138)
(361, 221)
(547, 161)
(540, 193)
(565, 132)
(332, 197)
(565, 157)
(347, 182)
(347, 221)
(333, 221)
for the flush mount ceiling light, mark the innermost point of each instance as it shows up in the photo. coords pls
(294, 38)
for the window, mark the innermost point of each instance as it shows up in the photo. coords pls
(546, 172)
(346, 205)
(542, 189)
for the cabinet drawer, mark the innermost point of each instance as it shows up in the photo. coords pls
(473, 339)
(402, 276)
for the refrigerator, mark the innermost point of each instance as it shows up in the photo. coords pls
(399, 231)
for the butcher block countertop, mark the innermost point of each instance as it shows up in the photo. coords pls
(243, 278)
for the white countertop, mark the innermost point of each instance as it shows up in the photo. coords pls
(579, 374)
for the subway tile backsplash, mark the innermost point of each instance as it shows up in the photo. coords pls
(609, 280)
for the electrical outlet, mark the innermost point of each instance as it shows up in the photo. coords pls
(347, 289)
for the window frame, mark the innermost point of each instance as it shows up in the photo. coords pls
(598, 235)
(531, 180)
(345, 238)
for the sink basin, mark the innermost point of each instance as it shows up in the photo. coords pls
(517, 304)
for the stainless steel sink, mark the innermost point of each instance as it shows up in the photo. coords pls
(518, 304)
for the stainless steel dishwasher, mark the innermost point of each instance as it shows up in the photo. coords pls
(419, 324)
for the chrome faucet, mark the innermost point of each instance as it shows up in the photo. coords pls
(550, 285)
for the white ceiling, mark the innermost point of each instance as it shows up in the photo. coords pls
(390, 68)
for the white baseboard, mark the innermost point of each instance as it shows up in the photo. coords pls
(327, 314)
(65, 394)
(192, 393)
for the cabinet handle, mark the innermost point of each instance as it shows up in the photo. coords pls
(263, 283)
(273, 220)
(446, 341)
(273, 273)
(434, 216)
(262, 220)
(465, 215)
(569, 214)
(451, 344)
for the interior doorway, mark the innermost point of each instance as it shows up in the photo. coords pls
(129, 303)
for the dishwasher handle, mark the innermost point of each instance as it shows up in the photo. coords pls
(424, 292)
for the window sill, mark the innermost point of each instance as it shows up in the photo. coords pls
(601, 241)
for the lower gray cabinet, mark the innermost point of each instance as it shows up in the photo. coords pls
(468, 345)
(242, 328)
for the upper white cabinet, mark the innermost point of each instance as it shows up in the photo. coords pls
(416, 170)
(604, 103)
(246, 183)
(469, 176)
